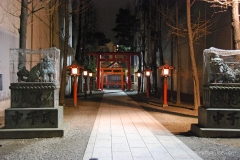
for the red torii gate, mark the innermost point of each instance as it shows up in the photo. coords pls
(114, 59)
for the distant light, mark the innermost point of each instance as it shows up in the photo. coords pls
(148, 73)
(90, 74)
(85, 73)
(138, 74)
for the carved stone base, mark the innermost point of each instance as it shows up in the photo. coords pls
(34, 95)
(221, 95)
(217, 122)
(220, 114)
(34, 123)
(33, 117)
(219, 118)
(34, 112)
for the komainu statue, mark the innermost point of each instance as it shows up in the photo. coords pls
(47, 69)
(22, 73)
(220, 72)
(42, 72)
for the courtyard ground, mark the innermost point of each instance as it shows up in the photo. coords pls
(176, 119)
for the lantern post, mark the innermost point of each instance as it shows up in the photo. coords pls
(147, 75)
(90, 74)
(85, 75)
(165, 73)
(139, 74)
(75, 72)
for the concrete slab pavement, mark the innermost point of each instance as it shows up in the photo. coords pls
(123, 130)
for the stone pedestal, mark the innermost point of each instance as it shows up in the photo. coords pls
(34, 112)
(220, 114)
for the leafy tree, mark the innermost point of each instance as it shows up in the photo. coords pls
(126, 25)
(100, 38)
(84, 28)
(88, 37)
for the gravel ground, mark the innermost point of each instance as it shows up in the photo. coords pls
(70, 147)
(176, 119)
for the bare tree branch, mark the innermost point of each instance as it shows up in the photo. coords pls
(7, 9)
(192, 3)
(235, 16)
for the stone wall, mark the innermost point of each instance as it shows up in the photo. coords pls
(7, 40)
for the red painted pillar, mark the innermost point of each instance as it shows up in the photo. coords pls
(102, 80)
(106, 79)
(147, 87)
(129, 72)
(75, 91)
(90, 86)
(98, 72)
(122, 80)
(165, 92)
(85, 87)
(139, 83)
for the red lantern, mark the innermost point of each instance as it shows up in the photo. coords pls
(165, 70)
(165, 73)
(148, 72)
(75, 71)
(138, 74)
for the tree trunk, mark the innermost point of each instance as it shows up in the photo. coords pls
(78, 54)
(161, 61)
(178, 101)
(155, 66)
(65, 53)
(78, 48)
(235, 24)
(143, 52)
(23, 24)
(192, 56)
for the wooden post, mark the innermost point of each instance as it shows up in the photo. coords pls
(139, 83)
(90, 86)
(102, 79)
(75, 91)
(165, 103)
(147, 87)
(98, 72)
(122, 80)
(85, 87)
(129, 72)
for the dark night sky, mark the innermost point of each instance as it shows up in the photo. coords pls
(107, 10)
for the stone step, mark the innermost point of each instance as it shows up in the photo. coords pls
(215, 132)
(34, 132)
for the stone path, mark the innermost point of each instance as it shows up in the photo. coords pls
(124, 131)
